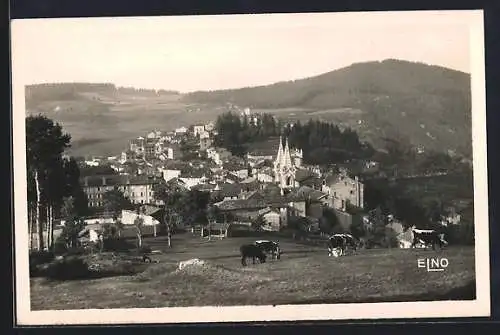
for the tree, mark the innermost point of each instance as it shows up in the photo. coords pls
(259, 223)
(138, 224)
(212, 213)
(73, 187)
(73, 224)
(170, 221)
(115, 201)
(119, 227)
(45, 143)
(189, 207)
(299, 226)
(71, 231)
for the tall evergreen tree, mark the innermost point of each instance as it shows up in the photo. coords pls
(45, 143)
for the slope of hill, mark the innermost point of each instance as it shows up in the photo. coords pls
(429, 106)
(102, 118)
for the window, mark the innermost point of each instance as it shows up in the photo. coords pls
(142, 201)
(141, 194)
(98, 189)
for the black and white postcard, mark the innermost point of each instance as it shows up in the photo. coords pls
(236, 168)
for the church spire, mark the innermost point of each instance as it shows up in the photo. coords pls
(279, 157)
(287, 160)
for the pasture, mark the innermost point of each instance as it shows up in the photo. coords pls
(304, 274)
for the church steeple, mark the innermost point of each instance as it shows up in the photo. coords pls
(287, 159)
(284, 169)
(279, 157)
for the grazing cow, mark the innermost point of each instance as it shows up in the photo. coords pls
(350, 241)
(336, 245)
(272, 247)
(339, 243)
(428, 237)
(251, 250)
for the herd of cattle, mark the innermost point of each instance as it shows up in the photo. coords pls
(338, 245)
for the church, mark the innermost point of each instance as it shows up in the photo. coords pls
(339, 188)
(286, 165)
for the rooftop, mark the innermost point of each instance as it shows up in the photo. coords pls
(116, 180)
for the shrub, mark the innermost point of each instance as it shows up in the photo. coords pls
(145, 249)
(76, 251)
(69, 268)
(41, 257)
(38, 260)
(119, 245)
(74, 268)
(461, 234)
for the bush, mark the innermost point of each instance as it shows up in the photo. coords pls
(69, 268)
(145, 249)
(461, 234)
(41, 257)
(60, 247)
(74, 268)
(118, 245)
(38, 260)
(77, 251)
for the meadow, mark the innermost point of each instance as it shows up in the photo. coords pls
(304, 274)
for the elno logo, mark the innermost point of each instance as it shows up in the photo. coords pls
(433, 264)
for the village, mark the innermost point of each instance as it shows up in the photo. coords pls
(272, 184)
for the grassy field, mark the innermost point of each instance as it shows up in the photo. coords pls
(106, 126)
(304, 274)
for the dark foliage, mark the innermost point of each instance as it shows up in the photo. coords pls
(76, 267)
(118, 245)
(321, 142)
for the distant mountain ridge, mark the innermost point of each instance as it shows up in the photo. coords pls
(428, 105)
(37, 93)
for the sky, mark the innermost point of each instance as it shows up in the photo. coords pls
(229, 51)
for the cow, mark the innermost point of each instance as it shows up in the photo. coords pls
(350, 241)
(338, 244)
(428, 237)
(253, 251)
(272, 247)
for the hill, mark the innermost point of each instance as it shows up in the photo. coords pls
(102, 118)
(429, 106)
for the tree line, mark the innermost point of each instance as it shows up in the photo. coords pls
(235, 133)
(53, 180)
(321, 142)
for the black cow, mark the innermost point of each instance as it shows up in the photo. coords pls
(272, 247)
(251, 250)
(428, 237)
(351, 242)
(341, 242)
(336, 242)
